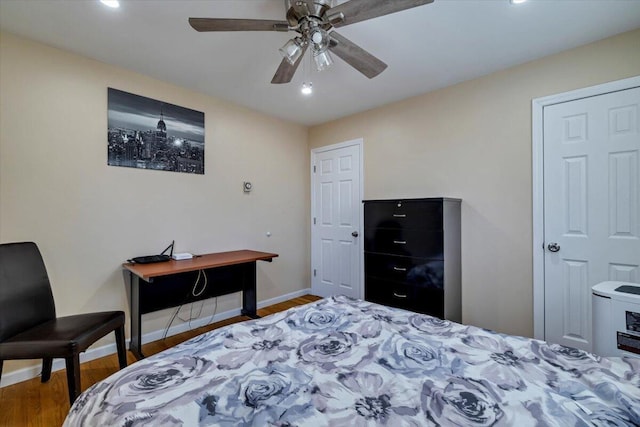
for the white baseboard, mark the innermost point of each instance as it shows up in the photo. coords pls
(283, 298)
(30, 372)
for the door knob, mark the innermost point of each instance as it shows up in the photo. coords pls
(355, 234)
(553, 247)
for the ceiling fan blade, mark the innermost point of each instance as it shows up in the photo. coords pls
(285, 71)
(360, 10)
(356, 56)
(224, 24)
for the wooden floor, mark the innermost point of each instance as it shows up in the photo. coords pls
(31, 403)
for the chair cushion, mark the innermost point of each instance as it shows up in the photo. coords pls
(61, 337)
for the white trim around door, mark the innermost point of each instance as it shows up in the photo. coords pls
(358, 143)
(538, 105)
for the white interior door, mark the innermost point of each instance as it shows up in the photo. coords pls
(591, 207)
(336, 249)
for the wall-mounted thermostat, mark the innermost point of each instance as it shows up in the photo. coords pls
(247, 186)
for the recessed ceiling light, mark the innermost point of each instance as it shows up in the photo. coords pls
(307, 88)
(111, 3)
(517, 1)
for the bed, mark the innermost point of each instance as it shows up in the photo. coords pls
(340, 361)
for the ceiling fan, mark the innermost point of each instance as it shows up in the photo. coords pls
(314, 21)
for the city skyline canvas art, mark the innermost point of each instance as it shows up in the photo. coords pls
(145, 133)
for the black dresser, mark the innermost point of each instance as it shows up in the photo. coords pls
(412, 255)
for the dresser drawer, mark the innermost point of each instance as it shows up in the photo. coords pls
(420, 300)
(419, 272)
(405, 242)
(403, 214)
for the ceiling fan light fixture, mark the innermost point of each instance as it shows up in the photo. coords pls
(322, 59)
(292, 50)
(319, 38)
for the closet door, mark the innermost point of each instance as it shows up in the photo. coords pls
(335, 242)
(591, 207)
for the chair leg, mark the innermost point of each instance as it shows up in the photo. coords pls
(73, 377)
(122, 349)
(46, 369)
(1, 363)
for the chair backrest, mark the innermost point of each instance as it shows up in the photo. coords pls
(26, 299)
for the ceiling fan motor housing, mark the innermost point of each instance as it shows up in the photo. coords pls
(297, 10)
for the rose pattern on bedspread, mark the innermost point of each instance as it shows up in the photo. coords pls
(341, 362)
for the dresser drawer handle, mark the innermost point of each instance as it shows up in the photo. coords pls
(400, 242)
(399, 268)
(399, 215)
(399, 295)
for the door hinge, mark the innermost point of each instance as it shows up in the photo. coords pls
(314, 272)
(314, 168)
(314, 221)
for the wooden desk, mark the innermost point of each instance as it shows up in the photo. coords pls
(173, 283)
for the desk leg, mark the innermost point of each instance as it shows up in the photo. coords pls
(135, 345)
(249, 291)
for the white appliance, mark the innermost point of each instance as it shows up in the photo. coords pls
(616, 319)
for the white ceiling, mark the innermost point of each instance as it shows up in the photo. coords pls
(426, 48)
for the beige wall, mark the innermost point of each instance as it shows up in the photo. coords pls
(57, 190)
(473, 141)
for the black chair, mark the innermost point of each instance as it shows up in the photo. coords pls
(29, 328)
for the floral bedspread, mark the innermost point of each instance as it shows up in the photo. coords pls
(344, 362)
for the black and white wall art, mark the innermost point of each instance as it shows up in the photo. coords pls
(146, 133)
